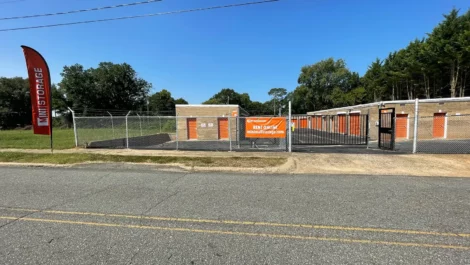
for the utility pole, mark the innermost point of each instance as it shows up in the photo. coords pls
(274, 108)
(289, 129)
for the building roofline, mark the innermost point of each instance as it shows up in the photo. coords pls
(205, 105)
(433, 100)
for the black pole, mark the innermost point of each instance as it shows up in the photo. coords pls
(367, 130)
(50, 111)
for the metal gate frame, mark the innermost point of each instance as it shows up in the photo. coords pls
(329, 133)
(387, 127)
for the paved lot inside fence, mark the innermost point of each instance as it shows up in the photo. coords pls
(303, 140)
(434, 146)
(312, 136)
(221, 145)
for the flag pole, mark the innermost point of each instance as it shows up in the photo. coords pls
(50, 113)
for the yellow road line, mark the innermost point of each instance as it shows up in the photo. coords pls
(231, 222)
(221, 232)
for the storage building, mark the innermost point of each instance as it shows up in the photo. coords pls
(445, 118)
(207, 122)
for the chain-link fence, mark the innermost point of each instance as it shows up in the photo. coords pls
(105, 131)
(437, 134)
(170, 133)
(444, 134)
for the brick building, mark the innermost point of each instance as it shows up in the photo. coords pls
(446, 118)
(207, 122)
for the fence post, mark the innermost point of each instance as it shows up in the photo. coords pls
(140, 124)
(74, 127)
(230, 132)
(176, 122)
(127, 131)
(367, 130)
(112, 124)
(238, 131)
(415, 133)
(289, 132)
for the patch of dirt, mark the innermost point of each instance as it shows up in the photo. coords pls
(410, 165)
(308, 163)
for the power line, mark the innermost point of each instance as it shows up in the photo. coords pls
(82, 10)
(141, 16)
(12, 1)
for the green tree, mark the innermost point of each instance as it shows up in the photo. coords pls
(230, 96)
(447, 44)
(181, 101)
(110, 86)
(15, 102)
(437, 66)
(245, 100)
(257, 108)
(325, 81)
(374, 81)
(225, 96)
(162, 102)
(277, 96)
(59, 102)
(299, 101)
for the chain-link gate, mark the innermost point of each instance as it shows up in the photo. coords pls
(387, 129)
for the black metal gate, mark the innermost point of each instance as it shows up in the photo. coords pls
(342, 129)
(387, 129)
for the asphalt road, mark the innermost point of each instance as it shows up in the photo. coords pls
(127, 215)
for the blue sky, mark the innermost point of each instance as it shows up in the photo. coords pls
(193, 55)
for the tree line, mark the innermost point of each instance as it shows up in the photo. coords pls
(433, 67)
(436, 66)
(109, 88)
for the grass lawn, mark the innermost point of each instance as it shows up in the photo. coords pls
(64, 138)
(25, 139)
(256, 162)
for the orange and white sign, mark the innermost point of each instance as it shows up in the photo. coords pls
(265, 127)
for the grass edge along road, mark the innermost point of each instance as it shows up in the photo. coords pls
(75, 158)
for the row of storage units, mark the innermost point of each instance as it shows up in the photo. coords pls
(351, 124)
(431, 127)
(344, 124)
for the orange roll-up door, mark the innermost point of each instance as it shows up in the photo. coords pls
(192, 128)
(223, 128)
(438, 125)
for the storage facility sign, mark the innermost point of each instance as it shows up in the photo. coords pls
(265, 127)
(40, 93)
